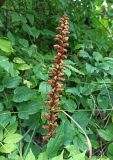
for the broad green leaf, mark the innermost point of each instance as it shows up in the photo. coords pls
(59, 157)
(23, 42)
(84, 54)
(28, 108)
(18, 60)
(11, 82)
(74, 69)
(69, 104)
(55, 143)
(6, 65)
(23, 94)
(1, 134)
(6, 46)
(97, 56)
(8, 148)
(106, 134)
(90, 68)
(12, 138)
(44, 87)
(43, 156)
(30, 156)
(1, 107)
(73, 91)
(3, 158)
(81, 118)
(103, 101)
(11, 129)
(110, 151)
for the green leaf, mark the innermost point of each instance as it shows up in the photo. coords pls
(59, 157)
(90, 68)
(30, 156)
(28, 108)
(81, 118)
(73, 91)
(44, 87)
(1, 107)
(23, 42)
(7, 148)
(75, 70)
(69, 104)
(6, 65)
(106, 134)
(84, 54)
(103, 101)
(11, 82)
(43, 156)
(110, 150)
(6, 46)
(23, 94)
(12, 138)
(97, 56)
(55, 143)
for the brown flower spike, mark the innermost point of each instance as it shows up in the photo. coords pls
(57, 78)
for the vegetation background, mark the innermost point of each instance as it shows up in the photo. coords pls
(27, 29)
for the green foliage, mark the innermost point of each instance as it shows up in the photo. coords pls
(27, 29)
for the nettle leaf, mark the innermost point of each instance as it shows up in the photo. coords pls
(23, 94)
(6, 46)
(106, 134)
(12, 138)
(11, 82)
(55, 143)
(30, 156)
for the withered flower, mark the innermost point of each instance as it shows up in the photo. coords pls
(56, 73)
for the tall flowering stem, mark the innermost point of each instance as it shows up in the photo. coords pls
(57, 77)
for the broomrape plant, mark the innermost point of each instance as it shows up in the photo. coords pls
(57, 77)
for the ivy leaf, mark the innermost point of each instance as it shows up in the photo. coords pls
(23, 94)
